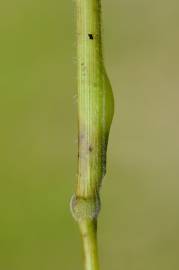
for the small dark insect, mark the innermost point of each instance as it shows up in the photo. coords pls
(90, 36)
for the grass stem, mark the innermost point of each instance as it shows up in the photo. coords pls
(95, 113)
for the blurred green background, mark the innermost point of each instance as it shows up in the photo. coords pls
(139, 221)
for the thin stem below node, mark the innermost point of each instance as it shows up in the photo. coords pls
(88, 230)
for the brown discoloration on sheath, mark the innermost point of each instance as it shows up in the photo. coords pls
(90, 148)
(80, 139)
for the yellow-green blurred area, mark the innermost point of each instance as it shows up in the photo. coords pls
(139, 221)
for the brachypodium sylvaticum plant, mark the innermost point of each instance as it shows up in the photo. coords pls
(95, 113)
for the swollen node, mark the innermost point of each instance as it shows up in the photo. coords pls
(84, 208)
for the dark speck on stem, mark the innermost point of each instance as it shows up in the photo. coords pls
(90, 36)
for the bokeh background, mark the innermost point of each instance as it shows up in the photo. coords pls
(139, 221)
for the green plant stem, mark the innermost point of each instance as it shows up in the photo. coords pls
(89, 236)
(95, 113)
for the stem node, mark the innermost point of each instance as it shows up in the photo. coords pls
(85, 208)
